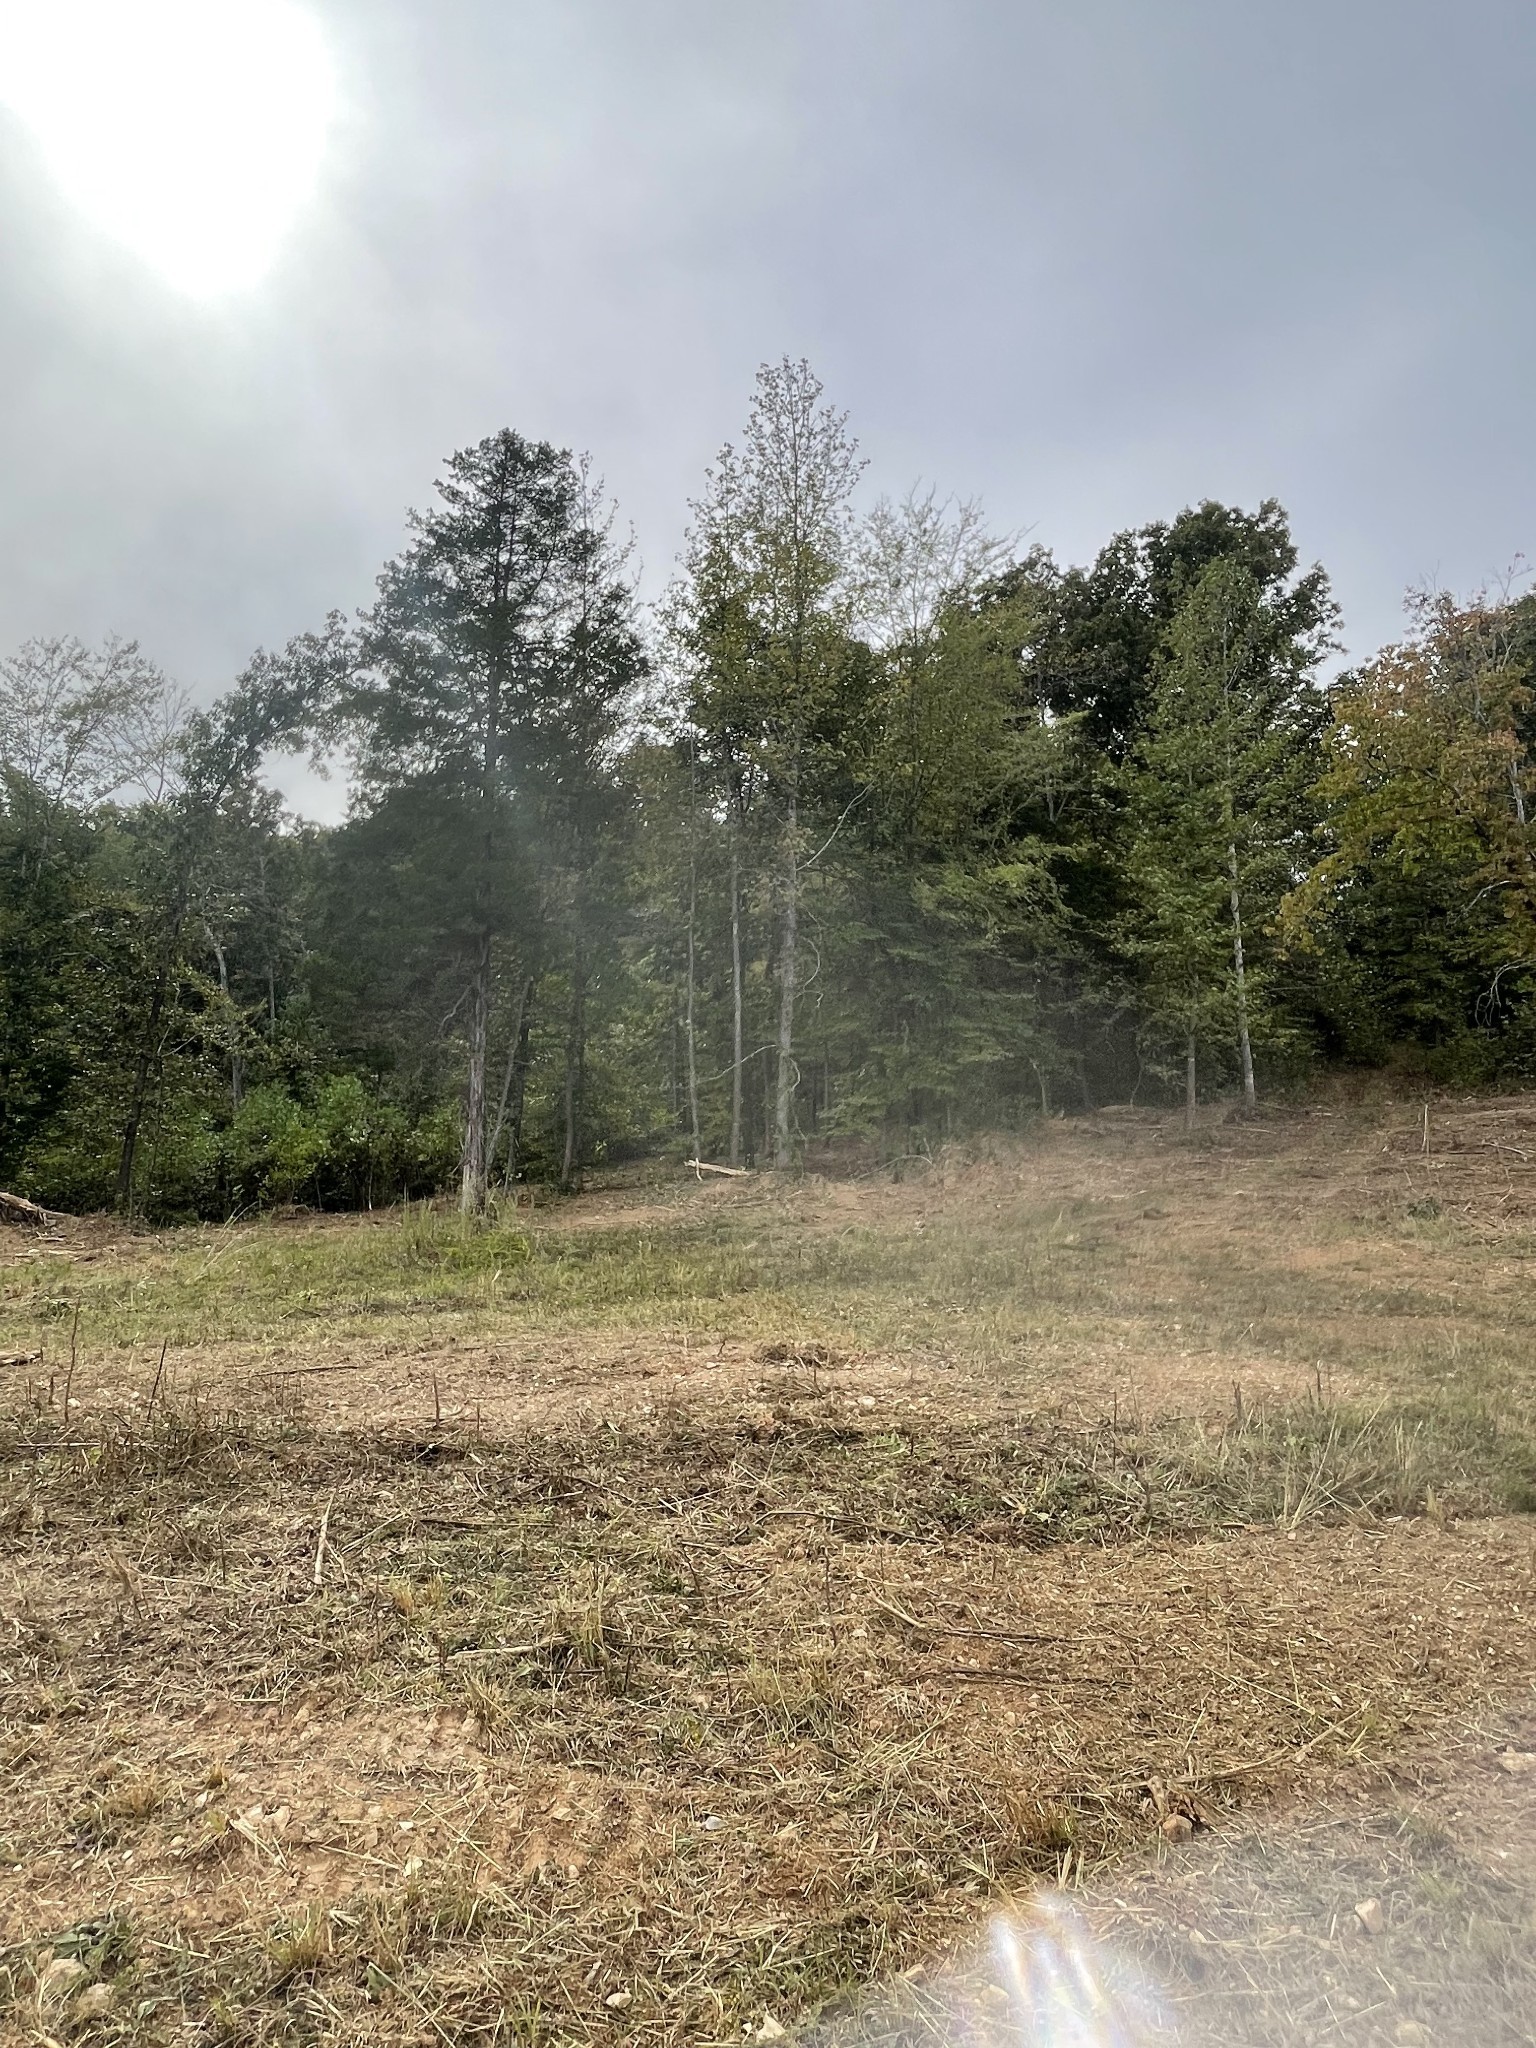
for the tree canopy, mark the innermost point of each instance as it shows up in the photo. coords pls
(877, 827)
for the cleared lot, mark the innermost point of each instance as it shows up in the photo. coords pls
(665, 1616)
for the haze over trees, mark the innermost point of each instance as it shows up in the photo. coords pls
(876, 826)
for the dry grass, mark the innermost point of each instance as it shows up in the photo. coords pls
(644, 1653)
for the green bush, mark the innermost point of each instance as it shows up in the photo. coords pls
(271, 1151)
(345, 1150)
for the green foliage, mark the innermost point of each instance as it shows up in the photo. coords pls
(1419, 918)
(1103, 628)
(916, 834)
(1219, 800)
(346, 1150)
(484, 692)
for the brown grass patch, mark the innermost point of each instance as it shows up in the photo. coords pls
(730, 1616)
(718, 1720)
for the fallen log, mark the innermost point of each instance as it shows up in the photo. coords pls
(702, 1166)
(17, 1209)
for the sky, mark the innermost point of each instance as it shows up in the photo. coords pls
(1087, 260)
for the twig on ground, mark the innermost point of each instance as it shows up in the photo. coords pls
(325, 1524)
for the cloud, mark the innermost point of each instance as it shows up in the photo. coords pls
(1090, 263)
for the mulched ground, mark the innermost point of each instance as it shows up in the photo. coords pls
(628, 1686)
(671, 1733)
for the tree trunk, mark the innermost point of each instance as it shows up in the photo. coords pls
(266, 905)
(788, 944)
(519, 1087)
(575, 1063)
(236, 1064)
(139, 1097)
(693, 1049)
(736, 1001)
(1244, 1045)
(1043, 1086)
(517, 1040)
(473, 1188)
(1189, 1082)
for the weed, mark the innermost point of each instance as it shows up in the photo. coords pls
(418, 1602)
(137, 1797)
(588, 1618)
(802, 1699)
(492, 1710)
(298, 1948)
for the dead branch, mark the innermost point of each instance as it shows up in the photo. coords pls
(17, 1209)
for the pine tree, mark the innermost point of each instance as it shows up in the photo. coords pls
(488, 680)
(1219, 798)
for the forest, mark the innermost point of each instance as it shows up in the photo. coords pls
(876, 828)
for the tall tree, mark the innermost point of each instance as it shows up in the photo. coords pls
(80, 725)
(941, 703)
(1100, 636)
(1219, 791)
(771, 606)
(488, 678)
(712, 638)
(219, 754)
(79, 728)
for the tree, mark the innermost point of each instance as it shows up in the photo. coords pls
(1426, 889)
(953, 882)
(218, 755)
(488, 679)
(712, 636)
(941, 697)
(767, 616)
(1218, 797)
(78, 727)
(1101, 634)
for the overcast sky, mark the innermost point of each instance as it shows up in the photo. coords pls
(1087, 259)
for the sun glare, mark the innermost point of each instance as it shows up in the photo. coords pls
(192, 130)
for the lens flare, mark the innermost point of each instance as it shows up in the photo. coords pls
(191, 130)
(1060, 1991)
(1041, 1982)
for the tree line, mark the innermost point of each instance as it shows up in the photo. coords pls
(877, 826)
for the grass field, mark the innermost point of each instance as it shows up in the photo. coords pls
(684, 1614)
